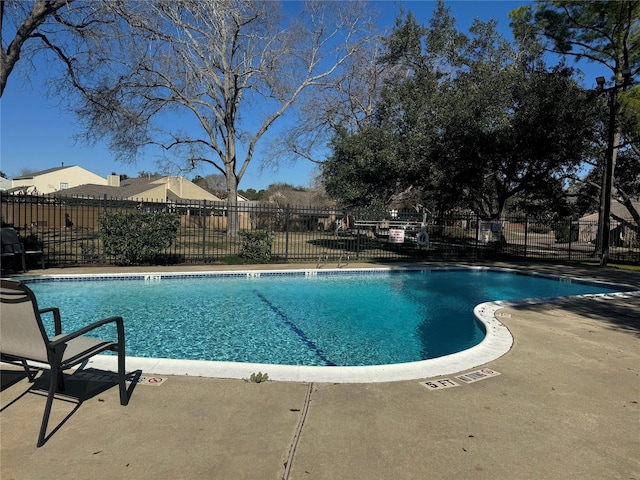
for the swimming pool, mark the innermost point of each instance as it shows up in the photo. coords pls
(305, 319)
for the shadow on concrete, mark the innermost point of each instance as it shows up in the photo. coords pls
(622, 314)
(79, 386)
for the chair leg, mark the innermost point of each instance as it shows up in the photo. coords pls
(60, 385)
(30, 376)
(124, 398)
(53, 385)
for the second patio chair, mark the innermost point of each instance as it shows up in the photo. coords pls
(13, 248)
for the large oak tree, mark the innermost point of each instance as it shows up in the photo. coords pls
(470, 120)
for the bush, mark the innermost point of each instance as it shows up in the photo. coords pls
(256, 247)
(134, 238)
(90, 253)
(32, 242)
(538, 228)
(562, 232)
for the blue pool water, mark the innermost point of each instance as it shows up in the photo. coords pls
(328, 319)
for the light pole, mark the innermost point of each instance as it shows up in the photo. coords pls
(604, 219)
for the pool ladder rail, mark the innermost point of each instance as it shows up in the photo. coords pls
(326, 260)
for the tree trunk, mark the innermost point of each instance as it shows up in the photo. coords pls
(233, 219)
(626, 201)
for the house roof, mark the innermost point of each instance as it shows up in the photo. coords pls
(618, 210)
(129, 188)
(90, 190)
(41, 172)
(294, 197)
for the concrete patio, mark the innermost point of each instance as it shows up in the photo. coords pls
(566, 405)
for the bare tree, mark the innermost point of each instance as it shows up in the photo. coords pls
(215, 183)
(229, 68)
(64, 28)
(23, 23)
(348, 102)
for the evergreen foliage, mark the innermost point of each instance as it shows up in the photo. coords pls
(256, 246)
(470, 121)
(135, 238)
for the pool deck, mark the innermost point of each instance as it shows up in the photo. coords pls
(566, 405)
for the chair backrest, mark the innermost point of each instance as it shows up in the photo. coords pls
(22, 333)
(10, 241)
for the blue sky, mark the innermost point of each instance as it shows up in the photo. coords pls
(36, 134)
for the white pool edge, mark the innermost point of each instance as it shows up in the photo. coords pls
(497, 342)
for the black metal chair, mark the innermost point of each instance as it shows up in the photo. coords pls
(13, 248)
(23, 338)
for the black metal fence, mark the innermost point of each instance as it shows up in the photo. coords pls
(67, 229)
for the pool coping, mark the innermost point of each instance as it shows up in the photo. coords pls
(497, 342)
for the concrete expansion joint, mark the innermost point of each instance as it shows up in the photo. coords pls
(296, 436)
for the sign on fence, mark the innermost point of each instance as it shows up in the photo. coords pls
(490, 232)
(396, 235)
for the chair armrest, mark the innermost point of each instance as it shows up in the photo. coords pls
(117, 320)
(56, 318)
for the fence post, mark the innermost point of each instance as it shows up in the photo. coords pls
(526, 233)
(286, 230)
(203, 220)
(570, 235)
(477, 236)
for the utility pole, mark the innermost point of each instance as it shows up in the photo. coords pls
(604, 219)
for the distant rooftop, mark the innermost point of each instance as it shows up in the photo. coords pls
(42, 172)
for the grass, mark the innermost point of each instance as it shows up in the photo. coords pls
(625, 267)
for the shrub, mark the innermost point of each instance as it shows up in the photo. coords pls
(90, 253)
(538, 228)
(256, 247)
(32, 242)
(562, 232)
(133, 238)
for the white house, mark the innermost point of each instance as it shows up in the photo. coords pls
(55, 180)
(157, 190)
(5, 183)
